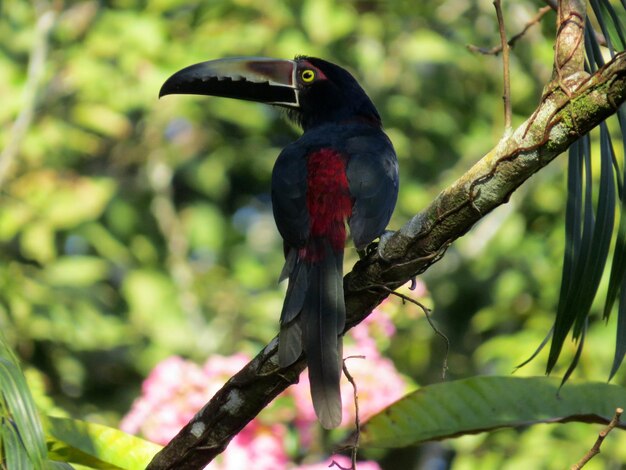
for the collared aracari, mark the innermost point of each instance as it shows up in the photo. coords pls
(342, 169)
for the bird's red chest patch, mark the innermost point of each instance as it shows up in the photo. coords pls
(328, 199)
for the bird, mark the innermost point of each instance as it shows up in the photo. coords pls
(342, 170)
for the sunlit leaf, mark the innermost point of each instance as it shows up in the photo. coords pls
(482, 404)
(76, 271)
(102, 119)
(204, 227)
(325, 20)
(426, 46)
(97, 445)
(61, 200)
(538, 350)
(37, 242)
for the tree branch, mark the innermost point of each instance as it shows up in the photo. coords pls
(506, 80)
(569, 50)
(34, 77)
(599, 36)
(495, 50)
(595, 450)
(560, 119)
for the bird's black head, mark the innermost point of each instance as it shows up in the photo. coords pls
(329, 93)
(314, 91)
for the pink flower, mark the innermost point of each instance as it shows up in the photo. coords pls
(379, 321)
(176, 389)
(377, 328)
(343, 461)
(221, 368)
(173, 392)
(257, 446)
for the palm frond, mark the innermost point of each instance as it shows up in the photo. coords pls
(620, 343)
(614, 22)
(589, 229)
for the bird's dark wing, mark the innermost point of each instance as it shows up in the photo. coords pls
(373, 178)
(289, 186)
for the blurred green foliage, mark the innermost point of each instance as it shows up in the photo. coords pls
(132, 229)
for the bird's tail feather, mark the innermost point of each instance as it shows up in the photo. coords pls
(312, 319)
(323, 319)
(290, 337)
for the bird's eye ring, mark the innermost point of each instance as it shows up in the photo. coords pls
(307, 75)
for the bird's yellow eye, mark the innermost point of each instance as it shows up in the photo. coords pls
(307, 76)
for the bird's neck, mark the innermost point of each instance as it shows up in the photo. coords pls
(347, 119)
(368, 119)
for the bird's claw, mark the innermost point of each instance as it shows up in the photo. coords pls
(382, 242)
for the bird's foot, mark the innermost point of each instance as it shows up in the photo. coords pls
(382, 242)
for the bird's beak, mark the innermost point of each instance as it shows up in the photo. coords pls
(270, 81)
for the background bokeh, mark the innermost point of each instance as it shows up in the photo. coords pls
(134, 229)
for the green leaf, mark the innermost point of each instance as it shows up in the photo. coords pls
(579, 350)
(326, 20)
(18, 410)
(482, 404)
(538, 350)
(620, 342)
(96, 445)
(38, 243)
(103, 120)
(13, 450)
(615, 24)
(58, 465)
(60, 200)
(78, 271)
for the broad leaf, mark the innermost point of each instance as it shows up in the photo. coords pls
(481, 404)
(97, 446)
